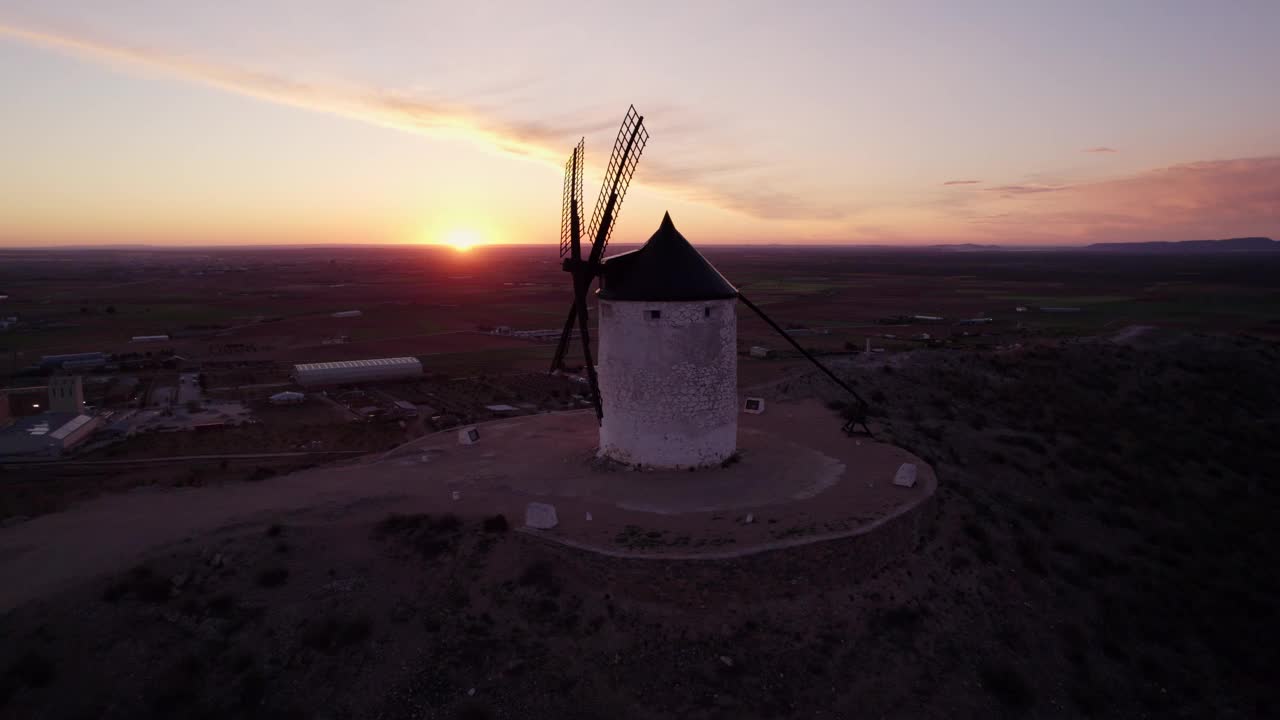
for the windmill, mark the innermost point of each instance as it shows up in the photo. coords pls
(630, 142)
(668, 329)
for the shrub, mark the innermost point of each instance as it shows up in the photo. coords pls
(273, 577)
(497, 523)
(334, 633)
(32, 670)
(1007, 685)
(540, 576)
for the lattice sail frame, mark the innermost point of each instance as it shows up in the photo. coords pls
(572, 191)
(618, 175)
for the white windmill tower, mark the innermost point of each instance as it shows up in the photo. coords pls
(668, 356)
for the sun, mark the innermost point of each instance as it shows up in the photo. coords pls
(462, 239)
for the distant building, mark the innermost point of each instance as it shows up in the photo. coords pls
(976, 321)
(759, 351)
(74, 432)
(149, 338)
(348, 314)
(66, 394)
(1020, 308)
(48, 434)
(927, 318)
(288, 397)
(356, 371)
(55, 362)
(81, 365)
(24, 401)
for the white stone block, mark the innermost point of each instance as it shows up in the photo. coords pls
(541, 516)
(906, 476)
(469, 435)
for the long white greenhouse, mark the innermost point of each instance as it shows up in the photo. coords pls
(356, 371)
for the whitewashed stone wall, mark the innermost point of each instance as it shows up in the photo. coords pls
(669, 385)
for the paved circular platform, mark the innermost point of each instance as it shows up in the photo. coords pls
(798, 479)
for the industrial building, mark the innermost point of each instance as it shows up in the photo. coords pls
(49, 434)
(149, 338)
(54, 362)
(356, 371)
(66, 394)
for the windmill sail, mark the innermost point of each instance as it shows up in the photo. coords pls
(571, 212)
(628, 146)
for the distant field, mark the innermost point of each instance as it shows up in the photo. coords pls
(1063, 301)
(411, 296)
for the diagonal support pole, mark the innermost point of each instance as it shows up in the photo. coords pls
(562, 347)
(810, 358)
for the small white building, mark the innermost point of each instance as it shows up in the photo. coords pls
(348, 314)
(668, 356)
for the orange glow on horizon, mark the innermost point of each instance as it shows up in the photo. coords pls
(461, 239)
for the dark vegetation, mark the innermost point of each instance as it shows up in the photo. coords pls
(1103, 547)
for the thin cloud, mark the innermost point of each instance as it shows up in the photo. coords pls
(1009, 190)
(716, 185)
(962, 182)
(1208, 199)
(1100, 149)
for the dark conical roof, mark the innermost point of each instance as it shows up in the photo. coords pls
(667, 268)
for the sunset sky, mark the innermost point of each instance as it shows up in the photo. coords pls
(908, 123)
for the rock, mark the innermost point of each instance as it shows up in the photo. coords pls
(750, 518)
(179, 580)
(588, 517)
(906, 475)
(541, 516)
(728, 661)
(217, 560)
(456, 495)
